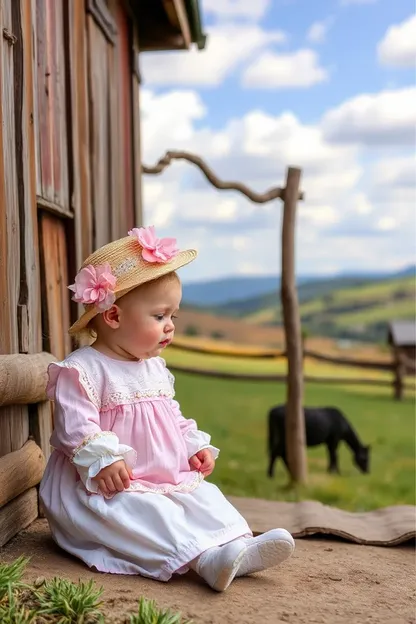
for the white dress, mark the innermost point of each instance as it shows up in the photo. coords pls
(107, 410)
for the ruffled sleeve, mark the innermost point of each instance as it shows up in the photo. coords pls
(77, 431)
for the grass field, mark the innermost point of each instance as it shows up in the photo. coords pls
(234, 413)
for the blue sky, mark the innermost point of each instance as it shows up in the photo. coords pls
(327, 85)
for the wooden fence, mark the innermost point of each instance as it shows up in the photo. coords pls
(400, 368)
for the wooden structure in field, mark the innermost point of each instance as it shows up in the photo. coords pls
(70, 181)
(402, 341)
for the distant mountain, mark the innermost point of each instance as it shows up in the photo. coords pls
(232, 290)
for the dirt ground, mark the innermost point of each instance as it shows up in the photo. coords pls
(325, 581)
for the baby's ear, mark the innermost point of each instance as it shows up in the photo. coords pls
(111, 317)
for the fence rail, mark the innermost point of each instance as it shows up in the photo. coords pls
(399, 368)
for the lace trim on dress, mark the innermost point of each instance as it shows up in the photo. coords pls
(167, 489)
(90, 438)
(123, 398)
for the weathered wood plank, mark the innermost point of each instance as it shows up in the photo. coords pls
(5, 320)
(30, 336)
(11, 250)
(14, 422)
(55, 295)
(40, 426)
(43, 87)
(51, 92)
(14, 428)
(18, 514)
(100, 140)
(23, 377)
(115, 150)
(137, 151)
(81, 191)
(124, 45)
(20, 471)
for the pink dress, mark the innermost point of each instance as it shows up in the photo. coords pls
(107, 410)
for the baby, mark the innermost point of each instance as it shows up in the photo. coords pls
(125, 489)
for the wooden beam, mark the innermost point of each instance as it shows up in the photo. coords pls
(177, 16)
(20, 471)
(295, 421)
(18, 514)
(23, 377)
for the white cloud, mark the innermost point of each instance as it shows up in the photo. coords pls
(385, 118)
(348, 2)
(271, 70)
(246, 9)
(228, 45)
(343, 201)
(398, 46)
(318, 30)
(386, 224)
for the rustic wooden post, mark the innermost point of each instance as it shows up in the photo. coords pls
(399, 371)
(295, 422)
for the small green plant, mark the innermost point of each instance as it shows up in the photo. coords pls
(12, 613)
(74, 603)
(11, 575)
(149, 613)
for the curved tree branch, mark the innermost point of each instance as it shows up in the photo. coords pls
(258, 198)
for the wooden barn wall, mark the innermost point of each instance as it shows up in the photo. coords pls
(20, 327)
(70, 157)
(51, 88)
(137, 154)
(80, 128)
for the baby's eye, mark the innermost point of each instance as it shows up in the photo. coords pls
(159, 317)
(174, 317)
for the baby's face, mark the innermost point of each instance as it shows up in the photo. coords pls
(147, 318)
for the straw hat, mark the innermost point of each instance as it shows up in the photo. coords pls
(117, 268)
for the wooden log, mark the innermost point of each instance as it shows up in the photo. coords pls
(18, 514)
(20, 471)
(40, 426)
(295, 422)
(23, 377)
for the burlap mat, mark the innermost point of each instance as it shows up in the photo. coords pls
(383, 527)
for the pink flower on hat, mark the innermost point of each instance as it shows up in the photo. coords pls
(95, 284)
(154, 249)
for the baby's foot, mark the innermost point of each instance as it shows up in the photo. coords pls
(218, 566)
(265, 551)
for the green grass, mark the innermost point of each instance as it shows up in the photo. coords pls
(390, 310)
(234, 413)
(382, 290)
(60, 601)
(381, 295)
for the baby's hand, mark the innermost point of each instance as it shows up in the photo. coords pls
(203, 461)
(114, 478)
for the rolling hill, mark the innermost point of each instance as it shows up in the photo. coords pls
(350, 307)
(226, 291)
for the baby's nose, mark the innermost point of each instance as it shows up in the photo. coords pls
(169, 327)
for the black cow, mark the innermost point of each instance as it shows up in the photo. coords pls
(324, 425)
